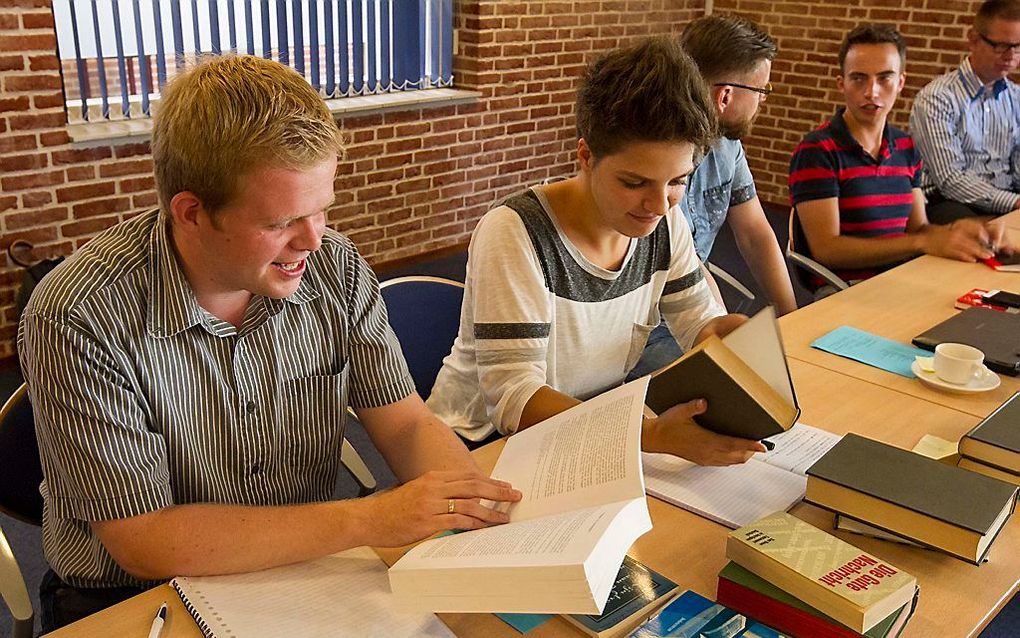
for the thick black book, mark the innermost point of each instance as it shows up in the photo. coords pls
(637, 594)
(996, 440)
(744, 378)
(996, 334)
(935, 504)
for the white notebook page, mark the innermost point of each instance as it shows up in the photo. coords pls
(346, 594)
(737, 495)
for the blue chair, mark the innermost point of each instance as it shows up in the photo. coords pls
(20, 477)
(425, 315)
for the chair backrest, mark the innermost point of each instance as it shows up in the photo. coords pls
(14, 592)
(810, 274)
(20, 469)
(425, 315)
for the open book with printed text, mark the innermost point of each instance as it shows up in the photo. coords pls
(583, 507)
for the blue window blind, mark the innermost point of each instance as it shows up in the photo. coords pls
(118, 54)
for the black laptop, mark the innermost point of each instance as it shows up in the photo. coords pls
(995, 333)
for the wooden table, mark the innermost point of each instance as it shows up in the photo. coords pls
(957, 599)
(1013, 223)
(899, 304)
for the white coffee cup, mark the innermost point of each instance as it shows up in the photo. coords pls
(958, 363)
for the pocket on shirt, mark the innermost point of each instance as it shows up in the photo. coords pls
(638, 341)
(315, 412)
(717, 204)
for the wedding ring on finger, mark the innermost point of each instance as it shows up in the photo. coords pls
(451, 507)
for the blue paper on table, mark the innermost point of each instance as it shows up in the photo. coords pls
(873, 350)
(524, 622)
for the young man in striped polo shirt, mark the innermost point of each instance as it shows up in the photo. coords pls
(855, 181)
(190, 369)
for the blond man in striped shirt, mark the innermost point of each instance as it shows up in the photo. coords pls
(190, 368)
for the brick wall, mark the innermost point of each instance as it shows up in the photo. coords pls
(418, 181)
(804, 74)
(412, 182)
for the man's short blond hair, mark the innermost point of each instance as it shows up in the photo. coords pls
(232, 115)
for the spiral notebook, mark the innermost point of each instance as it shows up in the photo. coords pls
(346, 594)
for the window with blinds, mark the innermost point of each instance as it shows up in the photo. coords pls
(116, 55)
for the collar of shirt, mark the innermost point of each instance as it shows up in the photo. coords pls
(972, 84)
(172, 303)
(841, 133)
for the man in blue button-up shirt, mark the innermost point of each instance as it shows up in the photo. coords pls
(966, 123)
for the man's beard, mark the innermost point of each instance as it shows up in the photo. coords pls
(737, 130)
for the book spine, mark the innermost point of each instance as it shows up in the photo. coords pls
(785, 618)
(202, 625)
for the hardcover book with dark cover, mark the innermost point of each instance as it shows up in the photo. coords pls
(938, 505)
(743, 377)
(996, 440)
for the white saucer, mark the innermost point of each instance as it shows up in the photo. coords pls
(984, 382)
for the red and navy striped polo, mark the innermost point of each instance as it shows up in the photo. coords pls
(875, 194)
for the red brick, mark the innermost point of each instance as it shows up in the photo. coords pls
(133, 167)
(37, 121)
(81, 173)
(88, 227)
(36, 199)
(20, 103)
(10, 143)
(85, 191)
(35, 218)
(37, 20)
(11, 63)
(31, 235)
(132, 150)
(101, 207)
(21, 43)
(145, 200)
(44, 63)
(48, 101)
(54, 138)
(7, 203)
(136, 184)
(33, 180)
(9, 22)
(39, 82)
(81, 155)
(14, 163)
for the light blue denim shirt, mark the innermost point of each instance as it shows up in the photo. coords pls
(722, 180)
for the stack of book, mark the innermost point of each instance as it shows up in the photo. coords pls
(809, 584)
(930, 503)
(993, 446)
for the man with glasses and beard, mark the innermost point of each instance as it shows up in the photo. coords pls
(967, 123)
(734, 57)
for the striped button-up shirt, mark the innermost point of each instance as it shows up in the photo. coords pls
(969, 138)
(143, 400)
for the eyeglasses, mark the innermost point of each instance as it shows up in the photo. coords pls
(1000, 47)
(764, 92)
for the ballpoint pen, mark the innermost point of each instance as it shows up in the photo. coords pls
(157, 623)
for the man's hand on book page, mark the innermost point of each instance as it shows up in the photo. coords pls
(673, 432)
(434, 502)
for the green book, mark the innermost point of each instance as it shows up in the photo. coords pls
(788, 613)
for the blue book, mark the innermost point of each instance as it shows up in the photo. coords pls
(693, 616)
(637, 593)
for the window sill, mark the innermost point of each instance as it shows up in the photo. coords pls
(119, 131)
